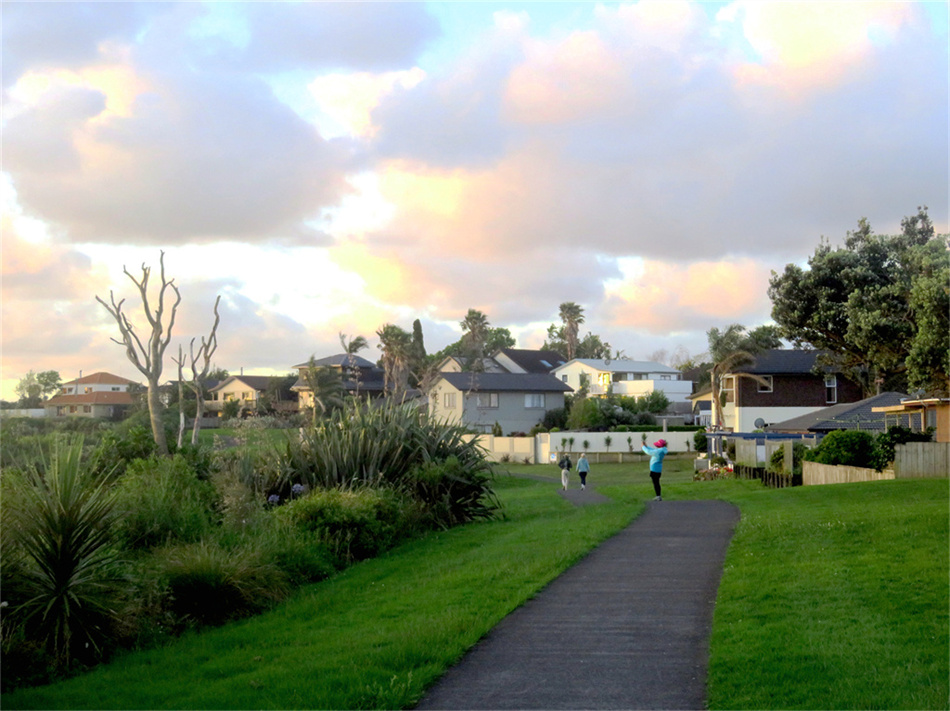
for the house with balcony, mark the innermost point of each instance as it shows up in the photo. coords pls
(477, 401)
(100, 395)
(788, 383)
(628, 378)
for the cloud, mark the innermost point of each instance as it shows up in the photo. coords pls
(201, 158)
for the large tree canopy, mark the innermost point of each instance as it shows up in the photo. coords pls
(878, 305)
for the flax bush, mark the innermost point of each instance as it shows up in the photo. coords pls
(380, 446)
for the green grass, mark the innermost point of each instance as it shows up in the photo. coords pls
(373, 637)
(253, 438)
(832, 597)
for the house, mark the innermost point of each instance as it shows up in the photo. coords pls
(701, 409)
(863, 415)
(919, 414)
(789, 383)
(630, 378)
(101, 395)
(360, 377)
(515, 401)
(251, 391)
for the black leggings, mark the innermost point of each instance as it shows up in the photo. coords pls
(655, 476)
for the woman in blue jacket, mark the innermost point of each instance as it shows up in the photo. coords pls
(656, 452)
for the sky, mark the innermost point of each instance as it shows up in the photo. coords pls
(328, 168)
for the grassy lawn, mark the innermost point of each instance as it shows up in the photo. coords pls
(832, 597)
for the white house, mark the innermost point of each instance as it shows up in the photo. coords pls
(98, 395)
(515, 401)
(630, 378)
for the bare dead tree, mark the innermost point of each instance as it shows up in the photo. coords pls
(148, 357)
(203, 357)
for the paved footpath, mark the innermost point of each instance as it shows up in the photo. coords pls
(625, 628)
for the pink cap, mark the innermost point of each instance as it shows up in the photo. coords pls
(660, 443)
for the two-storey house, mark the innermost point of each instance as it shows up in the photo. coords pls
(101, 395)
(630, 378)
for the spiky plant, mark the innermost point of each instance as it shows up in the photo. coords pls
(60, 523)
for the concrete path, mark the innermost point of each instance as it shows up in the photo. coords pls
(625, 628)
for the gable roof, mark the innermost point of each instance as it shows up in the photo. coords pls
(506, 382)
(95, 398)
(534, 361)
(255, 382)
(338, 361)
(844, 416)
(101, 378)
(624, 366)
(783, 361)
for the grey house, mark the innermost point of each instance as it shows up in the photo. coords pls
(515, 401)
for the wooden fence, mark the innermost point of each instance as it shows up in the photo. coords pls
(922, 460)
(914, 460)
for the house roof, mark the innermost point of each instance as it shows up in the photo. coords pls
(101, 378)
(95, 398)
(624, 366)
(338, 361)
(534, 361)
(256, 382)
(508, 382)
(784, 361)
(844, 416)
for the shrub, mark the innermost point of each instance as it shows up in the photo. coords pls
(853, 448)
(451, 493)
(886, 444)
(777, 460)
(209, 585)
(700, 443)
(161, 501)
(555, 418)
(62, 580)
(353, 524)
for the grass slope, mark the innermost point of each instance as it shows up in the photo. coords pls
(832, 597)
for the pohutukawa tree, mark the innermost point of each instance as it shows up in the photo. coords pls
(148, 357)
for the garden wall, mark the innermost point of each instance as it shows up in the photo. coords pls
(542, 447)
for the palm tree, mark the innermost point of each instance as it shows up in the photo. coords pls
(395, 344)
(351, 348)
(326, 386)
(475, 328)
(733, 348)
(572, 316)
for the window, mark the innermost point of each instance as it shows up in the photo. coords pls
(534, 400)
(116, 389)
(831, 389)
(88, 389)
(564, 378)
(486, 399)
(448, 400)
(86, 408)
(765, 387)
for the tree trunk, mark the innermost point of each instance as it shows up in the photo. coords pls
(155, 409)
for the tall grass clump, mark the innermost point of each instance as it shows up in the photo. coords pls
(161, 501)
(60, 574)
(382, 446)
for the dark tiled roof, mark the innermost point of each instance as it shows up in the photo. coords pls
(339, 360)
(846, 416)
(509, 382)
(535, 361)
(256, 382)
(782, 361)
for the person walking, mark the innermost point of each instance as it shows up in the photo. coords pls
(656, 452)
(565, 464)
(583, 469)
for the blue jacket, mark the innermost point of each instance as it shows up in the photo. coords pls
(656, 457)
(583, 465)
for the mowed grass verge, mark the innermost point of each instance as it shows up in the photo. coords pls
(832, 597)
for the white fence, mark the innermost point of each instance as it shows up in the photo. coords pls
(544, 448)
